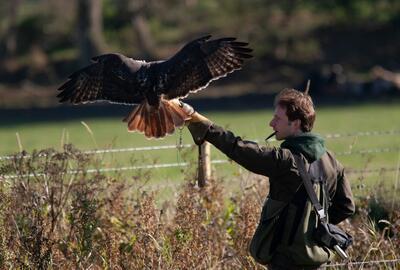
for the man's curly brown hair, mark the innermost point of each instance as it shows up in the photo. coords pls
(298, 106)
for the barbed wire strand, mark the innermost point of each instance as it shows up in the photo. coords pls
(368, 171)
(362, 263)
(353, 134)
(368, 151)
(117, 150)
(361, 134)
(179, 147)
(162, 147)
(183, 164)
(126, 168)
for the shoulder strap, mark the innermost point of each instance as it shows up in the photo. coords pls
(305, 176)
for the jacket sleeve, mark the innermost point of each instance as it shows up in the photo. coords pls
(268, 161)
(342, 202)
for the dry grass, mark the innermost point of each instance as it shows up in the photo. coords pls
(50, 219)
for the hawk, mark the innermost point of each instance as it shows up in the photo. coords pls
(155, 87)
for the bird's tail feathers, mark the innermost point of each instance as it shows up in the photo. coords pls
(156, 123)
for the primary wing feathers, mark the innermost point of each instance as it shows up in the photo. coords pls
(109, 78)
(200, 62)
(154, 86)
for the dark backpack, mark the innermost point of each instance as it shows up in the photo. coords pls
(326, 234)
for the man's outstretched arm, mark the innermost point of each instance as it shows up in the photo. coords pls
(260, 160)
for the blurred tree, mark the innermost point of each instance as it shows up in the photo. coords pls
(11, 31)
(90, 29)
(137, 11)
(46, 35)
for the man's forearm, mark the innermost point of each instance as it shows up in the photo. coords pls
(249, 154)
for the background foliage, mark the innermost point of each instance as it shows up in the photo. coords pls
(42, 41)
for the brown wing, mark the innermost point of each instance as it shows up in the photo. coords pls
(200, 62)
(110, 78)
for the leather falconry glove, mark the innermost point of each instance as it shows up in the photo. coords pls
(194, 116)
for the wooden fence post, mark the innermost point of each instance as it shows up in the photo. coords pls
(204, 164)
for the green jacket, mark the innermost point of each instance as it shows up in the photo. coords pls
(277, 163)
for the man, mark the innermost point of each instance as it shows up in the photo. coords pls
(292, 122)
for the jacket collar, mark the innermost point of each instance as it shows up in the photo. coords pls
(309, 144)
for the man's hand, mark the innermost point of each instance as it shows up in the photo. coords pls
(194, 116)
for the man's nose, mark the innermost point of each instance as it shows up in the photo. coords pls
(271, 123)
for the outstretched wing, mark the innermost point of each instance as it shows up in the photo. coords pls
(200, 62)
(109, 78)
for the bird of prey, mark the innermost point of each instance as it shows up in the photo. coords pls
(155, 87)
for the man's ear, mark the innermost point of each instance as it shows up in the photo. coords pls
(297, 124)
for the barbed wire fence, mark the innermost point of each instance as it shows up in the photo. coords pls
(178, 146)
(372, 264)
(222, 161)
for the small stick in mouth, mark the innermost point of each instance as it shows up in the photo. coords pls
(270, 136)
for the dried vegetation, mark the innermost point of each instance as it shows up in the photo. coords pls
(56, 215)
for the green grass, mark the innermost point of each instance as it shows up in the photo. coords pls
(249, 124)
(112, 133)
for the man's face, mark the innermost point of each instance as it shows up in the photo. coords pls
(282, 126)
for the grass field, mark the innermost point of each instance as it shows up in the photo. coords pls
(111, 133)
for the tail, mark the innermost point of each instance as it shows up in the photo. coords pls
(156, 123)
